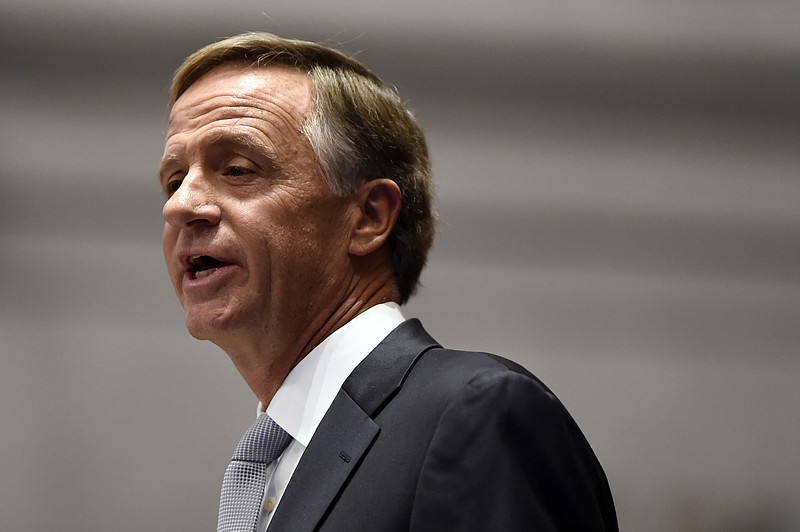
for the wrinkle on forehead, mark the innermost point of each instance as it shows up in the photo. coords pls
(234, 91)
(231, 136)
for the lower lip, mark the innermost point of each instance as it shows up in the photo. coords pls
(211, 281)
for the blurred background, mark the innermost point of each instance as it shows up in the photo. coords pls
(619, 188)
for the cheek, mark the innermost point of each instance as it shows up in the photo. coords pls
(286, 236)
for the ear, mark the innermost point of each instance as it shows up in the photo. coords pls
(379, 205)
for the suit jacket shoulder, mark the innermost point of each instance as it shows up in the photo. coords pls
(438, 439)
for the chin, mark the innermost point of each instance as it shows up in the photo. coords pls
(197, 330)
(203, 326)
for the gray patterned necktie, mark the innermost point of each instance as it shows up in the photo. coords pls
(246, 476)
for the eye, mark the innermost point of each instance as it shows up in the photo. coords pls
(172, 186)
(237, 171)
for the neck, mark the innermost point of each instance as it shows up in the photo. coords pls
(265, 359)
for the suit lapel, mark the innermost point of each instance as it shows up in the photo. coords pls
(347, 430)
(383, 372)
(326, 464)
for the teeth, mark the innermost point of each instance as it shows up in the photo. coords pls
(204, 273)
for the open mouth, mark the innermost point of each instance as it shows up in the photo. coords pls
(203, 265)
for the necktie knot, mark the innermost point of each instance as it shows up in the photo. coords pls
(246, 476)
(263, 442)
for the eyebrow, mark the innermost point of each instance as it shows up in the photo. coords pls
(227, 140)
(165, 161)
(264, 156)
(238, 139)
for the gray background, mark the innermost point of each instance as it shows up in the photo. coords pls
(619, 186)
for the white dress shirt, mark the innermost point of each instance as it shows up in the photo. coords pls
(310, 388)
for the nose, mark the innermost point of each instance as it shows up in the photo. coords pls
(192, 204)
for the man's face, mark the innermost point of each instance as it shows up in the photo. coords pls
(254, 240)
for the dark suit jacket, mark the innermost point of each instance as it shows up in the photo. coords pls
(422, 438)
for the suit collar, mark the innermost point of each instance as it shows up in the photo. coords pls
(308, 391)
(383, 372)
(347, 430)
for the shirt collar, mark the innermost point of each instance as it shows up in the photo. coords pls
(310, 388)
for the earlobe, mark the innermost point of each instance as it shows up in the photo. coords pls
(379, 202)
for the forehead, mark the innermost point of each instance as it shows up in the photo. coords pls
(276, 93)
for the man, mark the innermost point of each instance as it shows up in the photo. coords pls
(298, 217)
